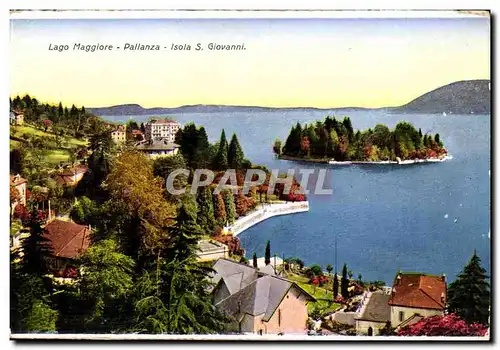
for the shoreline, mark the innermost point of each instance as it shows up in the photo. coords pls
(265, 211)
(361, 162)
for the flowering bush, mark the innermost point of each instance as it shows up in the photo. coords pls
(46, 124)
(21, 213)
(70, 272)
(339, 299)
(448, 325)
(323, 280)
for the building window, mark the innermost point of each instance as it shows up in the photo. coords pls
(401, 316)
(279, 317)
(370, 331)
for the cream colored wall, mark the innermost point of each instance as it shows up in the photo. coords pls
(22, 193)
(409, 311)
(362, 327)
(293, 316)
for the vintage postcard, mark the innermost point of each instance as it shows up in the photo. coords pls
(255, 175)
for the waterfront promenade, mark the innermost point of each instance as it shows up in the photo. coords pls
(265, 211)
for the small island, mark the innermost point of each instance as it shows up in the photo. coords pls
(335, 142)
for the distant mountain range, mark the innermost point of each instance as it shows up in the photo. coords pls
(462, 97)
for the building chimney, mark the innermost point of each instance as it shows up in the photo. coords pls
(443, 277)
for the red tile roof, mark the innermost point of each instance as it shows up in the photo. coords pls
(419, 291)
(163, 121)
(67, 239)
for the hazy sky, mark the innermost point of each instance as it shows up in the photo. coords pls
(287, 62)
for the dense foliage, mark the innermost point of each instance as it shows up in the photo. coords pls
(450, 325)
(336, 139)
(73, 120)
(469, 295)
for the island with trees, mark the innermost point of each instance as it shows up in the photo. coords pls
(335, 141)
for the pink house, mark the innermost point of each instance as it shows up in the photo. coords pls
(259, 302)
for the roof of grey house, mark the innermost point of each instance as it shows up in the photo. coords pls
(251, 292)
(262, 296)
(241, 274)
(157, 145)
(377, 309)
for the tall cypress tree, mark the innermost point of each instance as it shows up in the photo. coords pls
(219, 210)
(469, 294)
(255, 260)
(335, 286)
(206, 218)
(235, 154)
(220, 161)
(344, 284)
(268, 253)
(201, 157)
(35, 247)
(228, 197)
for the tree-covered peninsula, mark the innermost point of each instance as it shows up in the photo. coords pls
(336, 140)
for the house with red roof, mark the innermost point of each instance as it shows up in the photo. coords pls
(413, 297)
(66, 241)
(416, 294)
(71, 176)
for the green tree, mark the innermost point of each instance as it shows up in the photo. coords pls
(316, 270)
(267, 255)
(41, 318)
(85, 211)
(173, 294)
(329, 268)
(335, 286)
(277, 147)
(105, 284)
(235, 154)
(206, 215)
(35, 248)
(220, 160)
(164, 166)
(228, 197)
(219, 210)
(469, 295)
(186, 232)
(344, 283)
(255, 260)
(29, 300)
(139, 198)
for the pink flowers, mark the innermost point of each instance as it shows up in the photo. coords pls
(448, 325)
(339, 299)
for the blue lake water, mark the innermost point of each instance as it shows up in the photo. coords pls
(385, 217)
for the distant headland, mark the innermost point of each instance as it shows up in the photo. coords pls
(462, 97)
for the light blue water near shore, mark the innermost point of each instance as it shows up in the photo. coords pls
(386, 217)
